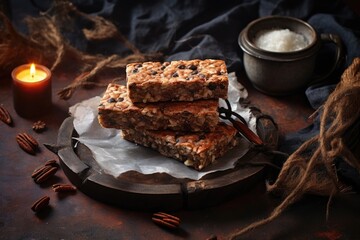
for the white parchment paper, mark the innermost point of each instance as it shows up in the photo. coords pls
(116, 155)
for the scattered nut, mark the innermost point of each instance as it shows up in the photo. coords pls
(43, 173)
(5, 116)
(46, 174)
(39, 126)
(40, 204)
(27, 143)
(61, 187)
(40, 170)
(51, 162)
(166, 220)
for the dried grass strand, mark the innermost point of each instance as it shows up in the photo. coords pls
(13, 47)
(67, 92)
(48, 46)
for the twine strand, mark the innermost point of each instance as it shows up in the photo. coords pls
(338, 138)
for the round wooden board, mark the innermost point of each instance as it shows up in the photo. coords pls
(159, 191)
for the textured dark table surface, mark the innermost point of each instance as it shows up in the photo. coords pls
(77, 216)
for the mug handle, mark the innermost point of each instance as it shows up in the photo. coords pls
(334, 39)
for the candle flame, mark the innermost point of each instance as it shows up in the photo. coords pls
(32, 70)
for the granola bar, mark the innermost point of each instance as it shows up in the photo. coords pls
(117, 111)
(177, 80)
(196, 150)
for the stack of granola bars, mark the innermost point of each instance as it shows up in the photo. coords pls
(172, 107)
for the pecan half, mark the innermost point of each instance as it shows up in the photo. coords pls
(45, 174)
(61, 187)
(166, 220)
(40, 204)
(5, 116)
(51, 162)
(27, 143)
(39, 171)
(39, 126)
(45, 171)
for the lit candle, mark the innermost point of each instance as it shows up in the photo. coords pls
(31, 90)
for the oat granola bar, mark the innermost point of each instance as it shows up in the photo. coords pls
(177, 80)
(196, 150)
(117, 111)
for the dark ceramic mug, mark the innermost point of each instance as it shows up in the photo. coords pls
(283, 73)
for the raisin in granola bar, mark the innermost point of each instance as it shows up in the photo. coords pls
(117, 111)
(196, 150)
(177, 80)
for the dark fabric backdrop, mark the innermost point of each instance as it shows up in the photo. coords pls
(185, 29)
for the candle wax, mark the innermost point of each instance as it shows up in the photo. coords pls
(26, 76)
(32, 90)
